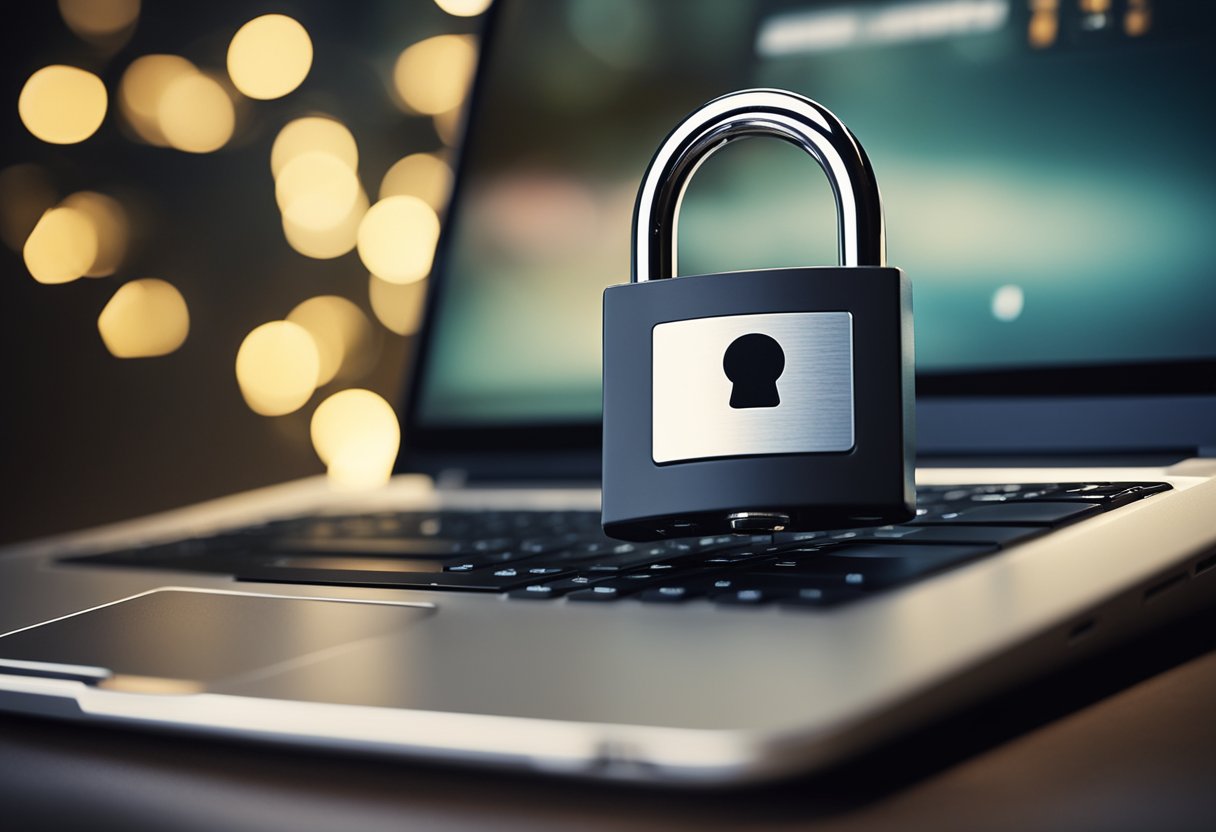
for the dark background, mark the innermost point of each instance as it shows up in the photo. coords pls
(86, 437)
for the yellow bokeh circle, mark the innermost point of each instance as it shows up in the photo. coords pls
(357, 435)
(269, 56)
(433, 75)
(62, 247)
(397, 239)
(145, 318)
(277, 367)
(62, 104)
(195, 114)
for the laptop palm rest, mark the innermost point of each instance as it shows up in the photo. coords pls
(175, 641)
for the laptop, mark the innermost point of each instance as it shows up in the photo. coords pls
(1049, 189)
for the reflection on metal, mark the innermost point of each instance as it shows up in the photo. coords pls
(693, 416)
(739, 115)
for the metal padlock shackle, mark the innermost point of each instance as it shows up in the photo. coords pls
(758, 112)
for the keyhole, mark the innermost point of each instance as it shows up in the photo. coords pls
(753, 363)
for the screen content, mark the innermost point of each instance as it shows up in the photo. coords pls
(1046, 167)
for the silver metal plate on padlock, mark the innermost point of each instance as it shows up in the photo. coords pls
(796, 397)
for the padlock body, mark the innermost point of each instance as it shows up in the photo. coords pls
(827, 442)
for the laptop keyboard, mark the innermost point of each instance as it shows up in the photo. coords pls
(545, 555)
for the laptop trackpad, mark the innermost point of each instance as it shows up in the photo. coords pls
(185, 641)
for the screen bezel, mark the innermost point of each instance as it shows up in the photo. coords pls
(570, 449)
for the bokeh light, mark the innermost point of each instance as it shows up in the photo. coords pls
(463, 8)
(111, 226)
(269, 56)
(341, 331)
(99, 20)
(447, 125)
(398, 306)
(314, 160)
(144, 319)
(327, 243)
(397, 239)
(26, 192)
(433, 75)
(277, 367)
(313, 133)
(62, 104)
(195, 114)
(1044, 24)
(1138, 18)
(142, 87)
(423, 175)
(1008, 302)
(316, 190)
(356, 434)
(62, 247)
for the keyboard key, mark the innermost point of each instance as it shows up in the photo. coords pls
(1022, 513)
(666, 594)
(565, 585)
(672, 589)
(604, 591)
(820, 597)
(798, 537)
(382, 546)
(534, 592)
(957, 533)
(1107, 494)
(481, 561)
(751, 597)
(867, 566)
(625, 559)
(466, 582)
(547, 545)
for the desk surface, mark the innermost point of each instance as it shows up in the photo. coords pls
(1124, 742)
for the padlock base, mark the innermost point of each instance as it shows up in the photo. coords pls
(753, 522)
(716, 523)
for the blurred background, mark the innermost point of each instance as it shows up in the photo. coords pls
(182, 188)
(1045, 168)
(218, 220)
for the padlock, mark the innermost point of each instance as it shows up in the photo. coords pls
(759, 401)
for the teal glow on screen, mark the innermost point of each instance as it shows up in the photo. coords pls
(1051, 192)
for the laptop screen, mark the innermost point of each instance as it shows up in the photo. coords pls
(1046, 168)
